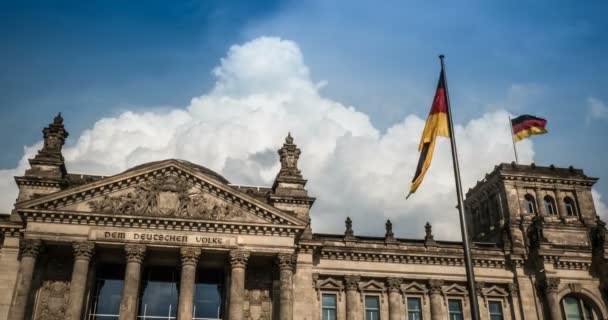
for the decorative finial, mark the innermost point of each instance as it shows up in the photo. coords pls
(348, 233)
(58, 120)
(428, 230)
(389, 236)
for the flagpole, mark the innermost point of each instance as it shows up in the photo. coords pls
(463, 224)
(513, 139)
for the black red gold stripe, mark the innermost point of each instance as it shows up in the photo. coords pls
(527, 125)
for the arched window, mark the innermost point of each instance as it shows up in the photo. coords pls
(549, 205)
(575, 308)
(529, 204)
(570, 207)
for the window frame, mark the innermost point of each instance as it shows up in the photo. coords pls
(379, 298)
(530, 203)
(461, 303)
(420, 299)
(549, 204)
(327, 293)
(583, 307)
(502, 308)
(569, 203)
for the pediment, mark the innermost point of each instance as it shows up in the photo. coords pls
(495, 291)
(372, 285)
(455, 289)
(415, 287)
(330, 283)
(166, 189)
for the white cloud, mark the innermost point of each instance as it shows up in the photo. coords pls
(263, 90)
(597, 110)
(600, 207)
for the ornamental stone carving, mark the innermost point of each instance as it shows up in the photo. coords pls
(286, 261)
(189, 255)
(238, 258)
(352, 282)
(83, 250)
(30, 248)
(135, 252)
(394, 284)
(258, 305)
(513, 289)
(435, 286)
(53, 300)
(166, 196)
(552, 285)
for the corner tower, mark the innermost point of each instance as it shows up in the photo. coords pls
(47, 173)
(288, 192)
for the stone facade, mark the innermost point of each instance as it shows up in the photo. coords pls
(537, 244)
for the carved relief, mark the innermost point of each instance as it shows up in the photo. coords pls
(238, 258)
(83, 250)
(257, 304)
(394, 284)
(352, 282)
(190, 255)
(30, 248)
(53, 300)
(167, 196)
(286, 261)
(135, 252)
(435, 286)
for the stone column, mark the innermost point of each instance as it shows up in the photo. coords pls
(394, 298)
(352, 296)
(238, 262)
(552, 300)
(28, 251)
(540, 204)
(189, 257)
(437, 312)
(515, 304)
(287, 263)
(134, 254)
(83, 251)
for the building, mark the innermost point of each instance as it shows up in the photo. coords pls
(175, 240)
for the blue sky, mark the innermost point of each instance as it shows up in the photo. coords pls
(97, 59)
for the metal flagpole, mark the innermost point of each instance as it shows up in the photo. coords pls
(463, 224)
(513, 139)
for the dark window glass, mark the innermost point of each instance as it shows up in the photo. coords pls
(108, 292)
(576, 309)
(159, 294)
(372, 308)
(495, 308)
(208, 295)
(529, 203)
(455, 309)
(328, 307)
(549, 205)
(570, 207)
(414, 309)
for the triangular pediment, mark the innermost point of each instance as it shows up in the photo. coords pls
(165, 189)
(372, 285)
(495, 291)
(330, 283)
(455, 289)
(415, 287)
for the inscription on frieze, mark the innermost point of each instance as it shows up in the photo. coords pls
(164, 238)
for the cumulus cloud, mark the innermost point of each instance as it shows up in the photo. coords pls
(263, 90)
(598, 110)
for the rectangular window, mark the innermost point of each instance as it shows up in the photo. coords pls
(414, 309)
(495, 310)
(455, 308)
(372, 308)
(108, 292)
(328, 307)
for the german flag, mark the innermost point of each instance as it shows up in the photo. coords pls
(436, 125)
(527, 125)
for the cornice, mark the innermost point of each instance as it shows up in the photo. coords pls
(177, 224)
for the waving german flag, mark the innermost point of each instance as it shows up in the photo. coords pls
(527, 125)
(436, 125)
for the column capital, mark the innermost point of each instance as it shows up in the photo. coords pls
(83, 250)
(286, 261)
(135, 252)
(30, 247)
(238, 258)
(435, 286)
(479, 286)
(552, 285)
(513, 289)
(394, 284)
(352, 282)
(189, 255)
